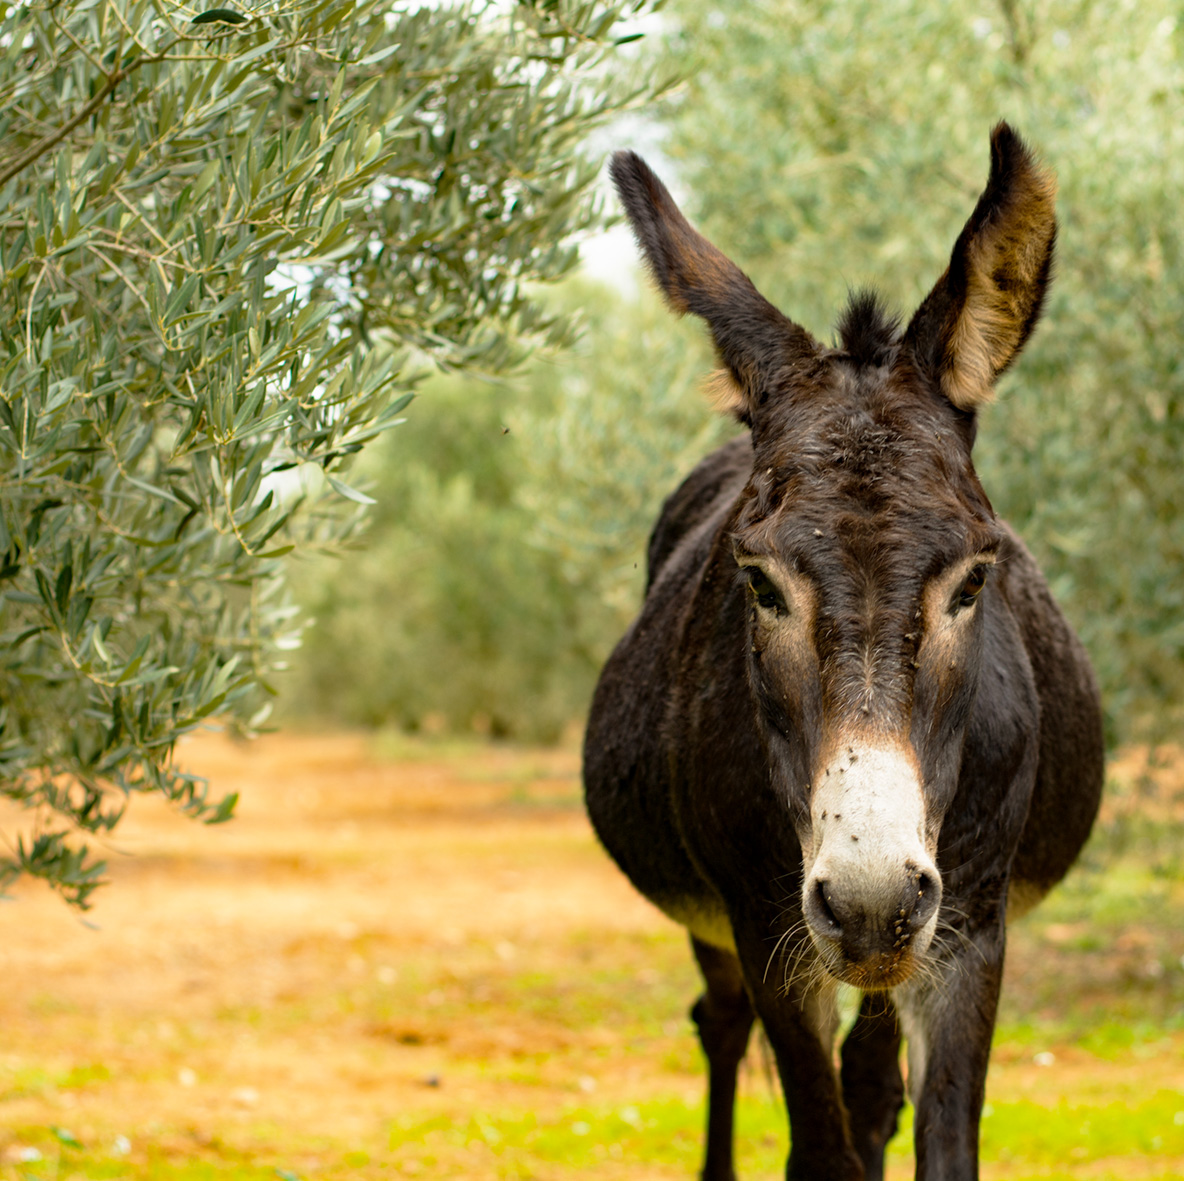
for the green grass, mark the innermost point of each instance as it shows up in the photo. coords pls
(1075, 1132)
(1029, 1138)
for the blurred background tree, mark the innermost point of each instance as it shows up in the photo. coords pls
(823, 145)
(231, 240)
(502, 560)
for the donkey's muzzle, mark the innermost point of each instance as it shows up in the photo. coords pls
(872, 942)
(872, 890)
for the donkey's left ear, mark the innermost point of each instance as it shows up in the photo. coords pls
(976, 319)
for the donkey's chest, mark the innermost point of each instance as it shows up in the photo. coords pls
(705, 917)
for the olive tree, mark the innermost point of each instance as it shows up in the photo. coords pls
(507, 549)
(231, 239)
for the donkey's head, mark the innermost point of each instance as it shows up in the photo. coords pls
(865, 544)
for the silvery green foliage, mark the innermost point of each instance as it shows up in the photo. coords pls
(507, 552)
(624, 427)
(830, 144)
(229, 239)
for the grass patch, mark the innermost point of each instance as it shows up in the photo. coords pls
(1070, 1132)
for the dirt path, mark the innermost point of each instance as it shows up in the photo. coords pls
(424, 965)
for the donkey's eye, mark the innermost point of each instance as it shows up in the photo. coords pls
(767, 595)
(972, 587)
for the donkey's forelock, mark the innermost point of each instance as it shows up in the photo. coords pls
(869, 333)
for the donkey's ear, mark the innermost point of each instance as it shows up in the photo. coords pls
(752, 338)
(975, 321)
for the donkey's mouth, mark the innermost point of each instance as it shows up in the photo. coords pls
(877, 973)
(874, 968)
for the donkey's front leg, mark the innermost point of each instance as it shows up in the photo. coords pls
(873, 1090)
(800, 1018)
(948, 1022)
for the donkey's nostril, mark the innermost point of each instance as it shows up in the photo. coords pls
(922, 898)
(819, 912)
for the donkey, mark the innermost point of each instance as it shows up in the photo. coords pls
(850, 732)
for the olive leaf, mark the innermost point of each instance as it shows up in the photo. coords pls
(225, 15)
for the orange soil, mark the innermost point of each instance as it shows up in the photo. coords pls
(297, 978)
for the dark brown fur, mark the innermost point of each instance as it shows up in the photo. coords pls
(714, 716)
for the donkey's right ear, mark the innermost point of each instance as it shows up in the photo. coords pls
(752, 338)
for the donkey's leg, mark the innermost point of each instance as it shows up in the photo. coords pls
(948, 1024)
(873, 1091)
(724, 1018)
(820, 1140)
(798, 1012)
